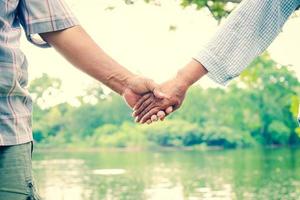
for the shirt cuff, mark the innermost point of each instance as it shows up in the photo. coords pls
(215, 66)
(47, 26)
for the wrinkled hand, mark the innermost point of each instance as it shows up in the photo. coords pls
(139, 86)
(150, 107)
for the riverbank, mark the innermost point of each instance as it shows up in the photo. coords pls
(41, 148)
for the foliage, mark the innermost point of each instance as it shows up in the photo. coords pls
(218, 8)
(176, 133)
(259, 108)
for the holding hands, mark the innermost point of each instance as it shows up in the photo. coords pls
(151, 106)
(149, 100)
(152, 102)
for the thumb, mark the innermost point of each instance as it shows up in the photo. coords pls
(150, 85)
(159, 94)
(155, 88)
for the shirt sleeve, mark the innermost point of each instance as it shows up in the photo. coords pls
(247, 32)
(42, 16)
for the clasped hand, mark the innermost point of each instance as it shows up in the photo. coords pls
(152, 102)
(157, 102)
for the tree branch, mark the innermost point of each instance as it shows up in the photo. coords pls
(231, 1)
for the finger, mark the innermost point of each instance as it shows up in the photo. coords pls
(149, 121)
(169, 110)
(164, 117)
(148, 115)
(141, 101)
(161, 114)
(176, 106)
(150, 107)
(159, 94)
(146, 110)
(151, 85)
(145, 105)
(136, 120)
(154, 118)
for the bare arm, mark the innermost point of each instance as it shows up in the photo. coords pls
(191, 73)
(78, 48)
(249, 30)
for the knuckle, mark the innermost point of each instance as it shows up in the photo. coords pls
(157, 109)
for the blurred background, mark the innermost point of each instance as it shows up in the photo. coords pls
(235, 142)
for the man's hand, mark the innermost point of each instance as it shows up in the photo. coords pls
(136, 87)
(149, 108)
(139, 86)
(86, 55)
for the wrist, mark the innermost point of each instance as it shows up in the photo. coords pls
(128, 82)
(182, 82)
(191, 73)
(118, 81)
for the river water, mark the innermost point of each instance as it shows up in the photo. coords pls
(258, 174)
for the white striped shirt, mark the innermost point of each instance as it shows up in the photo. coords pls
(247, 32)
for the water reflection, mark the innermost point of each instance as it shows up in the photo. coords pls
(62, 179)
(242, 174)
(109, 172)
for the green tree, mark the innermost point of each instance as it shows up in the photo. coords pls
(176, 133)
(273, 88)
(46, 121)
(43, 88)
(258, 108)
(218, 8)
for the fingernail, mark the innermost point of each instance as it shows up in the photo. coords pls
(166, 95)
(133, 114)
(162, 94)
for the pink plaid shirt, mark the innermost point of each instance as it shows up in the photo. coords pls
(36, 16)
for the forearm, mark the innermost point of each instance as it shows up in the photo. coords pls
(78, 48)
(190, 73)
(247, 32)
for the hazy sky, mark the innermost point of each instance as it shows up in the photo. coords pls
(138, 36)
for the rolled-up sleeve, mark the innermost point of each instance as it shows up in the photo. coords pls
(42, 16)
(247, 32)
